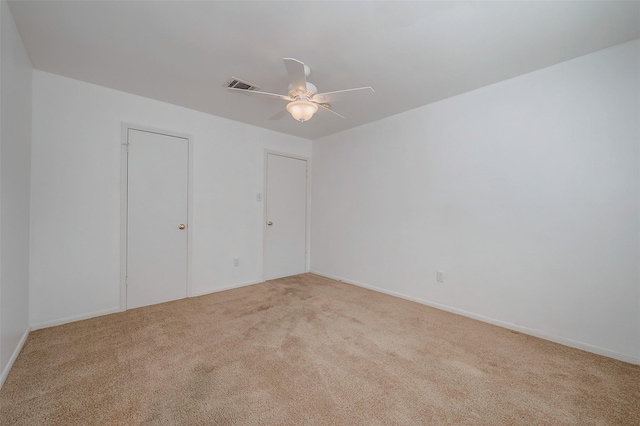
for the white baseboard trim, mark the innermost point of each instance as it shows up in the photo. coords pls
(61, 321)
(230, 287)
(532, 332)
(14, 356)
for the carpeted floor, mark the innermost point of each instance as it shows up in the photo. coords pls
(306, 350)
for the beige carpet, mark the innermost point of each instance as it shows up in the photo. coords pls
(306, 350)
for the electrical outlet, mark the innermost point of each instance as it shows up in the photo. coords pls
(440, 276)
(236, 262)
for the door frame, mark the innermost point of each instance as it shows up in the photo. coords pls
(124, 208)
(307, 236)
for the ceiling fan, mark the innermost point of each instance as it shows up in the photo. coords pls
(303, 97)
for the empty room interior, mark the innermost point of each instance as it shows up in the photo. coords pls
(319, 213)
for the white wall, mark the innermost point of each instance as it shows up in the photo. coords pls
(75, 263)
(525, 193)
(15, 152)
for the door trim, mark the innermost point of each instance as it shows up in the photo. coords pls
(307, 235)
(124, 208)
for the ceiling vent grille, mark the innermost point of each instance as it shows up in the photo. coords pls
(236, 83)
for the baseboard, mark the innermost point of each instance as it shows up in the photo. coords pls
(532, 332)
(230, 287)
(61, 321)
(14, 356)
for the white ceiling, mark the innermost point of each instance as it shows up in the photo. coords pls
(412, 53)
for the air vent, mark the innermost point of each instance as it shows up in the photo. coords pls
(236, 83)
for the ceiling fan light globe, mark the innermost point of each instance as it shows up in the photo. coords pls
(302, 110)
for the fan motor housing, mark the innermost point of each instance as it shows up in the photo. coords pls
(311, 90)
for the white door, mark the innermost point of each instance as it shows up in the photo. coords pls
(157, 192)
(286, 217)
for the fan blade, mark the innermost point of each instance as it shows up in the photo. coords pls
(254, 92)
(295, 69)
(322, 107)
(341, 95)
(280, 115)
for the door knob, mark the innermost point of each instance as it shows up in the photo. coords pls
(269, 223)
(181, 226)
